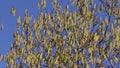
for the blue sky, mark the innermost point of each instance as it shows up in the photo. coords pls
(9, 21)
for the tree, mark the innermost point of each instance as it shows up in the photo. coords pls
(63, 38)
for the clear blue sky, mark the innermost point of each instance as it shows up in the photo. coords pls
(9, 21)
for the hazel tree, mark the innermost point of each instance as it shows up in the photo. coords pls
(81, 38)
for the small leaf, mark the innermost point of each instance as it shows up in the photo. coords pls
(13, 11)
